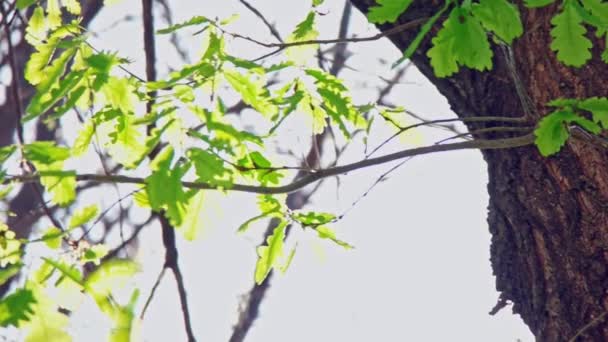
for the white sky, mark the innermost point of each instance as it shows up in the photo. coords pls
(420, 270)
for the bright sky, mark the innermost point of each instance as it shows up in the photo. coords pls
(420, 269)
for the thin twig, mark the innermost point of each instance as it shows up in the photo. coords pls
(259, 14)
(481, 144)
(152, 292)
(394, 30)
(439, 121)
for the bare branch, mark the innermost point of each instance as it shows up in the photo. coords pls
(481, 144)
(259, 14)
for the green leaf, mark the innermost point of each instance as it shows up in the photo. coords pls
(461, 41)
(48, 323)
(45, 152)
(305, 27)
(83, 139)
(289, 260)
(83, 215)
(304, 31)
(10, 247)
(8, 272)
(313, 218)
(326, 80)
(49, 80)
(164, 187)
(552, 132)
(108, 276)
(209, 168)
(6, 152)
(424, 30)
(52, 237)
(123, 320)
(387, 11)
(36, 28)
(53, 13)
(192, 219)
(538, 3)
(22, 4)
(95, 253)
(270, 254)
(118, 93)
(73, 6)
(126, 145)
(500, 17)
(41, 102)
(254, 92)
(17, 307)
(245, 226)
(67, 271)
(569, 40)
(563, 102)
(598, 106)
(194, 21)
(59, 183)
(326, 233)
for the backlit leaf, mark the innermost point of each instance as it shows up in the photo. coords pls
(270, 254)
(83, 215)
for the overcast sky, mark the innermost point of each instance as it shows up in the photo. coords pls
(420, 269)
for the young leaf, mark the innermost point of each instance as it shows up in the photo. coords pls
(83, 139)
(45, 152)
(22, 4)
(164, 187)
(192, 220)
(304, 31)
(126, 145)
(598, 106)
(6, 152)
(552, 132)
(424, 30)
(569, 40)
(253, 91)
(47, 323)
(17, 307)
(304, 27)
(313, 218)
(461, 40)
(10, 247)
(123, 317)
(500, 17)
(59, 183)
(194, 21)
(109, 276)
(270, 254)
(387, 11)
(52, 237)
(95, 253)
(83, 215)
(8, 272)
(209, 167)
(326, 233)
(118, 93)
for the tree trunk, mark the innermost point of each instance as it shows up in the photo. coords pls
(547, 216)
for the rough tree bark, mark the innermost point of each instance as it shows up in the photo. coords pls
(547, 216)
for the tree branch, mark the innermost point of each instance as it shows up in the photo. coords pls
(481, 144)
